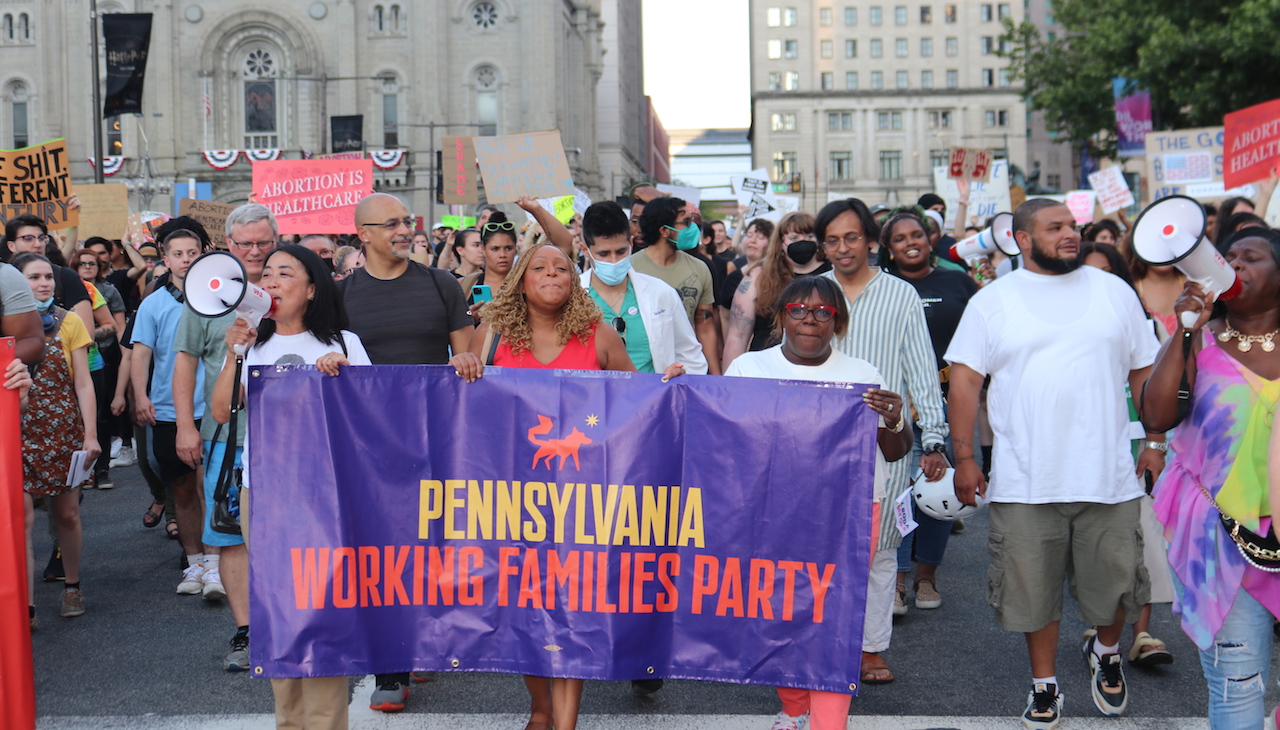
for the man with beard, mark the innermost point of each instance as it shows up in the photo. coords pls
(1059, 341)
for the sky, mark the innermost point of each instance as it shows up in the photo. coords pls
(696, 62)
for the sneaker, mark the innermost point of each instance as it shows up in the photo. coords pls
(1110, 695)
(389, 697)
(783, 721)
(1044, 708)
(53, 572)
(102, 480)
(957, 525)
(927, 594)
(900, 600)
(116, 445)
(192, 583)
(124, 458)
(72, 603)
(238, 657)
(212, 589)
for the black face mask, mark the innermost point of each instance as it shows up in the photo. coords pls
(802, 252)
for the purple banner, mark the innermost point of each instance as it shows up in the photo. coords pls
(559, 523)
(1133, 118)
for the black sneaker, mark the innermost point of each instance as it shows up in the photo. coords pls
(1044, 708)
(53, 572)
(1110, 695)
(102, 480)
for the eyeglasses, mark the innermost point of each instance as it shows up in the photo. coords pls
(43, 238)
(620, 325)
(260, 245)
(83, 264)
(395, 223)
(850, 240)
(821, 313)
(503, 226)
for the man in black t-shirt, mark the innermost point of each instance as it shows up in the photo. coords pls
(28, 234)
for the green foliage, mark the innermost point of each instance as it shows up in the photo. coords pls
(1200, 59)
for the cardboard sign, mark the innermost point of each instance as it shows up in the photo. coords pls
(1113, 191)
(104, 210)
(459, 172)
(141, 227)
(531, 163)
(1178, 159)
(688, 195)
(1081, 203)
(313, 196)
(753, 183)
(1252, 144)
(458, 222)
(971, 163)
(985, 199)
(212, 215)
(37, 180)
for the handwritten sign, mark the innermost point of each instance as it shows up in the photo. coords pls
(212, 215)
(37, 180)
(313, 196)
(1113, 191)
(104, 210)
(1081, 203)
(459, 174)
(531, 163)
(1252, 144)
(458, 222)
(971, 163)
(985, 199)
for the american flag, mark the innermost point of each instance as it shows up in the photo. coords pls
(1195, 167)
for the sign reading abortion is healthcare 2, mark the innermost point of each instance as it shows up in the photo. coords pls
(313, 196)
(559, 523)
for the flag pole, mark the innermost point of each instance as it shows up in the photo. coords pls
(97, 95)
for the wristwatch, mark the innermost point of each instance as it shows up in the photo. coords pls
(937, 449)
(1160, 446)
(902, 421)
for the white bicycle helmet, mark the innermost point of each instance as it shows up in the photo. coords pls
(938, 499)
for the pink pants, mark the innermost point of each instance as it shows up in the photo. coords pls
(827, 710)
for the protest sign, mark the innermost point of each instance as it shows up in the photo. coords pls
(340, 156)
(212, 215)
(313, 196)
(971, 163)
(549, 537)
(459, 171)
(37, 180)
(1176, 160)
(530, 163)
(104, 210)
(1133, 117)
(753, 183)
(458, 222)
(985, 199)
(1113, 191)
(1251, 144)
(688, 195)
(1081, 203)
(141, 227)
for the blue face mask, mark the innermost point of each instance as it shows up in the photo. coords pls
(689, 236)
(612, 272)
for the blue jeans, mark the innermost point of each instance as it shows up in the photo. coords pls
(1236, 667)
(928, 542)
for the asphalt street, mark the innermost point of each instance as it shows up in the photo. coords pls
(143, 656)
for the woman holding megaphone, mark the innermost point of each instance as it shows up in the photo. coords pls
(1218, 381)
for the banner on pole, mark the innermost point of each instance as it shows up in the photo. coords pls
(1133, 118)
(126, 38)
(459, 179)
(347, 134)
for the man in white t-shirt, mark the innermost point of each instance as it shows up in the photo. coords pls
(1060, 341)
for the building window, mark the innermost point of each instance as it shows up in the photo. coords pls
(877, 79)
(997, 118)
(826, 49)
(395, 19)
(833, 122)
(900, 47)
(904, 79)
(789, 17)
(851, 80)
(953, 79)
(939, 158)
(891, 164)
(775, 81)
(841, 165)
(487, 100)
(949, 13)
(850, 49)
(1003, 11)
(390, 112)
(115, 140)
(875, 15)
(792, 82)
(828, 81)
(1006, 77)
(877, 48)
(484, 15)
(985, 13)
(840, 122)
(888, 120)
(1051, 36)
(774, 49)
(824, 16)
(926, 14)
(773, 17)
(783, 122)
(791, 49)
(1055, 181)
(379, 18)
(988, 77)
(24, 22)
(18, 100)
(926, 79)
(940, 119)
(900, 15)
(988, 45)
(261, 107)
(953, 46)
(850, 16)
(8, 27)
(926, 47)
(784, 164)
(1048, 9)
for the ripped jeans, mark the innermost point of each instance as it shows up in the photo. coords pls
(1236, 667)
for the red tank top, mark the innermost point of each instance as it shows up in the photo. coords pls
(574, 356)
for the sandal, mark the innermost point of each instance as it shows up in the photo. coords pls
(171, 529)
(875, 670)
(1149, 651)
(151, 517)
(537, 724)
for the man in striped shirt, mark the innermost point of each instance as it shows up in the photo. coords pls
(886, 328)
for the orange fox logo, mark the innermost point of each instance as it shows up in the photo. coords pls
(551, 448)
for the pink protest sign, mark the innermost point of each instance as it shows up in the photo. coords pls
(313, 196)
(1252, 144)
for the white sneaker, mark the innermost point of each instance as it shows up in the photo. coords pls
(192, 581)
(116, 444)
(124, 458)
(783, 721)
(213, 590)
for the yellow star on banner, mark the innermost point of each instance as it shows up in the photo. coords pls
(593, 420)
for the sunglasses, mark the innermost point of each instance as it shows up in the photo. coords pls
(503, 226)
(821, 313)
(620, 325)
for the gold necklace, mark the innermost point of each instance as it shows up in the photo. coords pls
(1245, 342)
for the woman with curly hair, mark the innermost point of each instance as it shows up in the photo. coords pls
(792, 252)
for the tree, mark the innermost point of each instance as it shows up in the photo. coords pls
(1200, 59)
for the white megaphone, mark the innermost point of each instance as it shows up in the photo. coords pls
(1172, 231)
(217, 284)
(999, 237)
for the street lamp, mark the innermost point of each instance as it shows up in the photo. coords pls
(147, 185)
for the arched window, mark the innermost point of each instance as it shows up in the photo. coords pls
(18, 99)
(261, 106)
(25, 23)
(487, 100)
(8, 27)
(379, 22)
(390, 111)
(395, 18)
